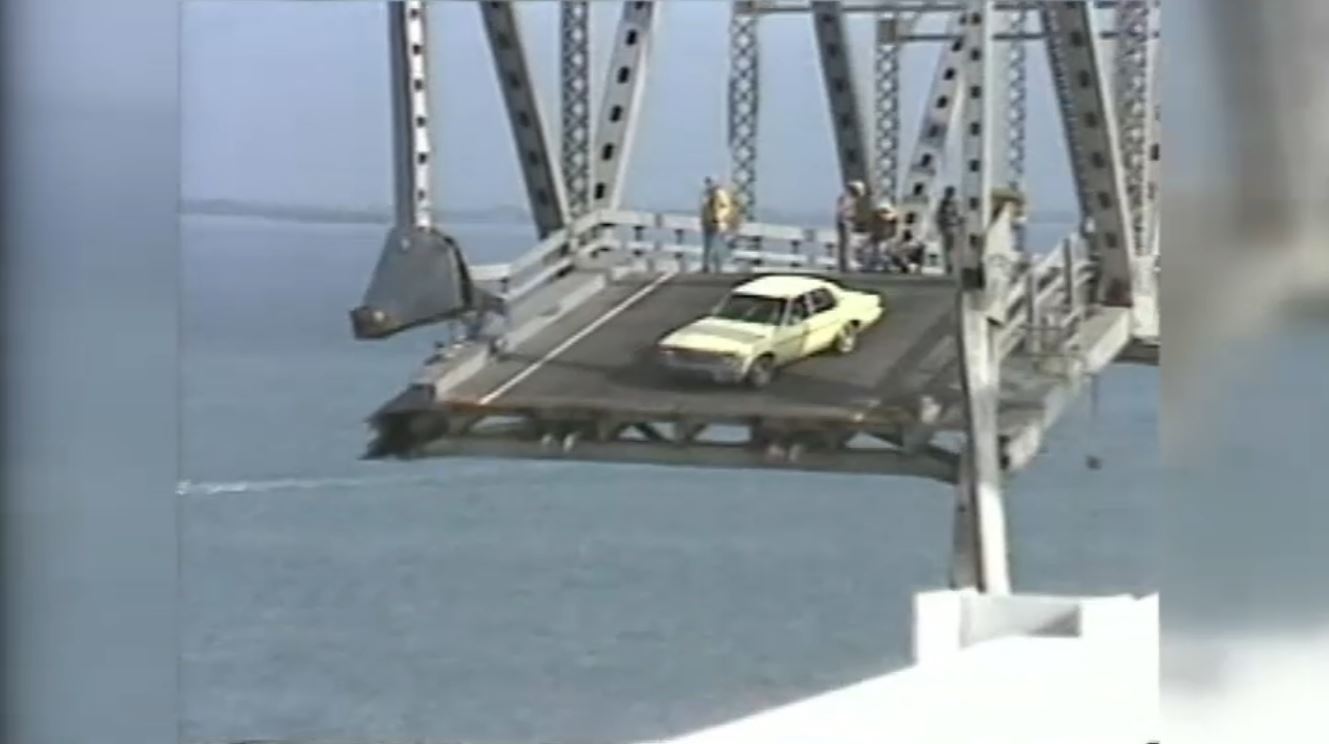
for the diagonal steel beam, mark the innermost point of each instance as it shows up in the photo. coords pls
(1092, 138)
(1135, 94)
(412, 151)
(544, 182)
(842, 95)
(616, 128)
(941, 114)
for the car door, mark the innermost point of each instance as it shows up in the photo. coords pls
(822, 321)
(791, 337)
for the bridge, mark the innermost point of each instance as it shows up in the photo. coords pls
(983, 350)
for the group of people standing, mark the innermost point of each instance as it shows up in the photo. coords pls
(886, 247)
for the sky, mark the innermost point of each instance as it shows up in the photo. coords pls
(286, 102)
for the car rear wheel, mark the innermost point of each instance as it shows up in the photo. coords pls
(761, 372)
(847, 339)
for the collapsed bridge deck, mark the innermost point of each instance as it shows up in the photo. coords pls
(577, 380)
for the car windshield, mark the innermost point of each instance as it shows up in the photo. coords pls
(751, 309)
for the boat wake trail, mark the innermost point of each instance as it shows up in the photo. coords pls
(221, 488)
(448, 478)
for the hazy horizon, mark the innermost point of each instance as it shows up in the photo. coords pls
(299, 212)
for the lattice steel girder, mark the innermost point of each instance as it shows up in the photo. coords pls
(984, 545)
(941, 113)
(1093, 143)
(412, 152)
(616, 128)
(922, 37)
(575, 76)
(544, 181)
(837, 71)
(1137, 25)
(1013, 117)
(744, 105)
(772, 7)
(886, 76)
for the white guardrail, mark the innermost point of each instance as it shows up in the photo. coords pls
(646, 234)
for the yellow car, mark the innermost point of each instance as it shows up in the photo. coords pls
(767, 323)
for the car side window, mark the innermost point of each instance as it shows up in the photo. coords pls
(798, 310)
(822, 300)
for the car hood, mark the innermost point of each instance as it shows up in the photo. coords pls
(715, 334)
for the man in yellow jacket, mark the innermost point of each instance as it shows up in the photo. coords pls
(718, 217)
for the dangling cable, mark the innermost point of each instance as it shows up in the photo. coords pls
(1093, 460)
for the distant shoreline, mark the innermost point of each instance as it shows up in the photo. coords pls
(490, 216)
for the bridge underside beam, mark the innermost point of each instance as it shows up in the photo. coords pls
(544, 180)
(659, 443)
(1142, 353)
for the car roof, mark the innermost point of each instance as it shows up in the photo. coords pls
(781, 285)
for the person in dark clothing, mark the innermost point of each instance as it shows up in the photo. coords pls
(847, 209)
(949, 224)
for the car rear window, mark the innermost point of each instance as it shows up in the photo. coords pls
(822, 300)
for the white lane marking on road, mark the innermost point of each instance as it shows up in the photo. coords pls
(579, 335)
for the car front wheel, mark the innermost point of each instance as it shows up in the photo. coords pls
(761, 372)
(847, 339)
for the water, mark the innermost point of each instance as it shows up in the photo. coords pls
(468, 600)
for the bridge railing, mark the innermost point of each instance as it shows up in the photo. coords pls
(1047, 299)
(1058, 281)
(653, 235)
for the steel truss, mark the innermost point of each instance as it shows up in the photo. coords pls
(1137, 24)
(886, 79)
(575, 77)
(744, 100)
(658, 437)
(412, 149)
(625, 85)
(841, 92)
(1090, 125)
(1029, 333)
(544, 182)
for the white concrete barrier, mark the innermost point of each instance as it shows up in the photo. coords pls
(991, 670)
